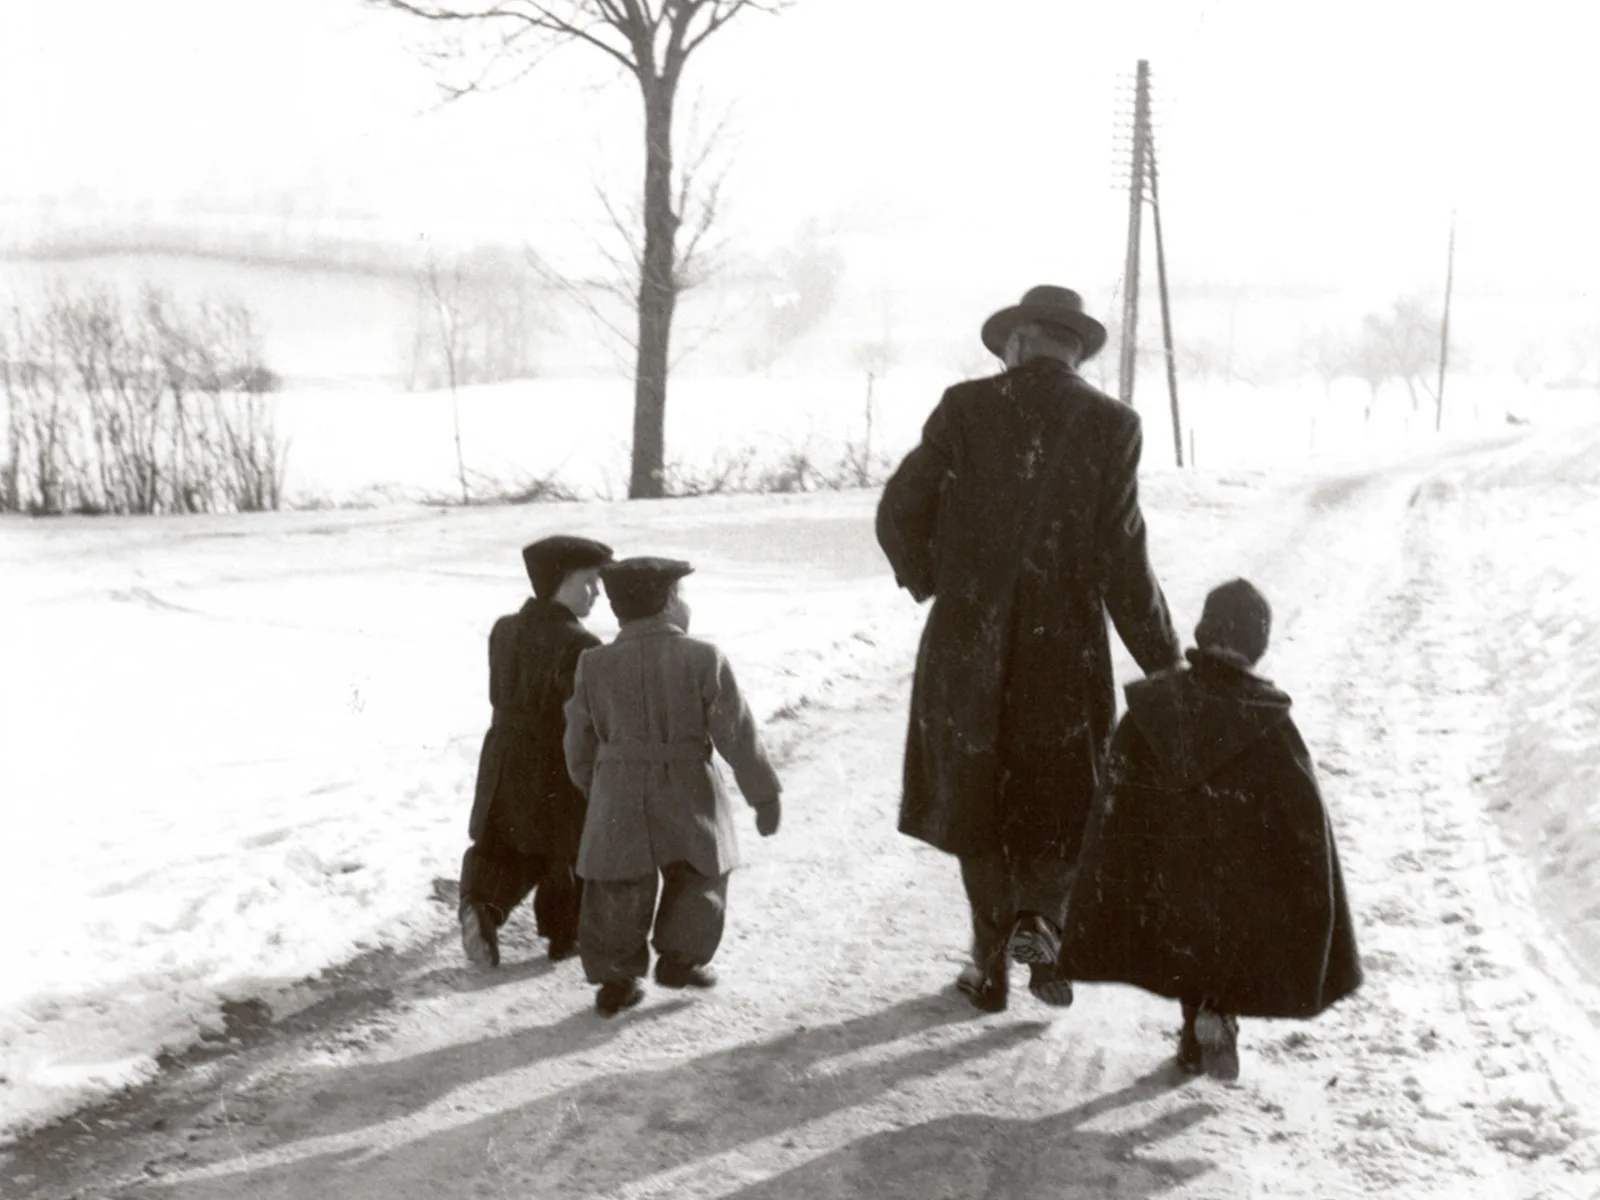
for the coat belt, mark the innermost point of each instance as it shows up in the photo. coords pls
(652, 752)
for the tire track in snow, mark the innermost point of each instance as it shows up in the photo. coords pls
(1453, 1061)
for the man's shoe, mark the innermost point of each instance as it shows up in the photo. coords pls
(612, 998)
(674, 973)
(1049, 986)
(1218, 1035)
(562, 948)
(478, 936)
(1035, 940)
(987, 992)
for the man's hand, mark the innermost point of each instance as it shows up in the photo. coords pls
(767, 817)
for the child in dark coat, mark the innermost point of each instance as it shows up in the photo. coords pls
(527, 817)
(1208, 872)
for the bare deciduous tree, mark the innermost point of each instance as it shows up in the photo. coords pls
(497, 312)
(445, 298)
(488, 43)
(1401, 344)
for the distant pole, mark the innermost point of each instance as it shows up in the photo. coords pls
(1130, 291)
(1444, 326)
(1166, 307)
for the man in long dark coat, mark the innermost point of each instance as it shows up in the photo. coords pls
(1018, 513)
(1209, 872)
(527, 817)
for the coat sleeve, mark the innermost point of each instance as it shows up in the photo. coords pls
(1133, 597)
(567, 664)
(580, 742)
(502, 661)
(908, 512)
(734, 734)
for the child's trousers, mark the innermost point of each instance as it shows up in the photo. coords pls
(614, 925)
(502, 880)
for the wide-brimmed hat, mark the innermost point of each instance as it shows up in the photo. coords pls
(550, 559)
(1047, 305)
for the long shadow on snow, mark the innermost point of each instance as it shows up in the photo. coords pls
(616, 1128)
(1049, 1158)
(370, 1095)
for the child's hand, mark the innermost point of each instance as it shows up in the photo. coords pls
(768, 816)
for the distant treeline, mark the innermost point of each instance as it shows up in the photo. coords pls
(299, 250)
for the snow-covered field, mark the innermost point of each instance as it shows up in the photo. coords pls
(240, 750)
(376, 444)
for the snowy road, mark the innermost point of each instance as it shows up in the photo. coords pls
(835, 1062)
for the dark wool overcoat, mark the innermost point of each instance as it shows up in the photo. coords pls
(1209, 868)
(1018, 513)
(524, 803)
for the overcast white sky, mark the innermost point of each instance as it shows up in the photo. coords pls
(1327, 141)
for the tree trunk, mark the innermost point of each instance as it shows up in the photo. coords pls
(658, 294)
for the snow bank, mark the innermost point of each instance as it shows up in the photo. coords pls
(1526, 534)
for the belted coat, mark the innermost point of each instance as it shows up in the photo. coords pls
(524, 803)
(1018, 514)
(646, 712)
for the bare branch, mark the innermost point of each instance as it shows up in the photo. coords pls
(534, 15)
(723, 11)
(691, 258)
(510, 48)
(580, 296)
(626, 230)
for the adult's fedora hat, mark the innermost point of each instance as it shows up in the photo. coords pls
(1047, 305)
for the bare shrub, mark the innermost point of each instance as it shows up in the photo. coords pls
(142, 408)
(797, 468)
(541, 489)
(727, 472)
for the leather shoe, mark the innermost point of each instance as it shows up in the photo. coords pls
(613, 997)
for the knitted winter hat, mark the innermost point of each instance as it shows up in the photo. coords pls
(1237, 617)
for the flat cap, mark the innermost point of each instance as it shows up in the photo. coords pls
(549, 559)
(644, 571)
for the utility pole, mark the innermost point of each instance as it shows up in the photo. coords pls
(1143, 185)
(1166, 308)
(1130, 272)
(1444, 325)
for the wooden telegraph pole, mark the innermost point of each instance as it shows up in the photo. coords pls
(1130, 270)
(1444, 325)
(1166, 308)
(1143, 185)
